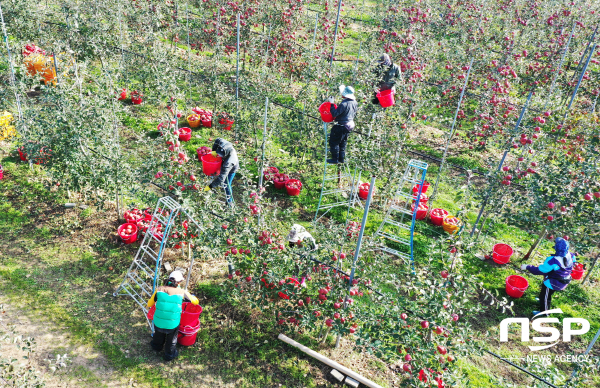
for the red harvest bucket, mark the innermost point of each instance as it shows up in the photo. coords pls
(421, 212)
(1, 173)
(211, 165)
(578, 271)
(325, 112)
(415, 188)
(386, 98)
(277, 181)
(502, 253)
(128, 239)
(189, 324)
(185, 134)
(22, 155)
(437, 216)
(363, 190)
(291, 190)
(516, 286)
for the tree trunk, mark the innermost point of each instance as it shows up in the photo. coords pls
(587, 275)
(535, 244)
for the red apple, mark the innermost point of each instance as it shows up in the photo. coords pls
(441, 350)
(424, 324)
(406, 367)
(407, 357)
(444, 274)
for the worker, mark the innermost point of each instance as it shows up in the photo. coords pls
(343, 115)
(386, 72)
(168, 300)
(299, 236)
(229, 167)
(556, 270)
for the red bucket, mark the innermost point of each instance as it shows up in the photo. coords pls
(185, 134)
(437, 216)
(415, 188)
(293, 187)
(1, 173)
(128, 238)
(363, 190)
(421, 212)
(516, 286)
(22, 155)
(211, 165)
(502, 253)
(279, 180)
(325, 111)
(424, 198)
(386, 98)
(189, 324)
(578, 271)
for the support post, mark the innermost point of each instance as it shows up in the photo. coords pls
(13, 81)
(589, 272)
(483, 205)
(559, 66)
(337, 21)
(315, 32)
(356, 64)
(462, 94)
(237, 61)
(358, 245)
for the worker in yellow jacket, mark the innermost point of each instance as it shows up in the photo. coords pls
(168, 300)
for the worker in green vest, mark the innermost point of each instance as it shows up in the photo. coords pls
(168, 300)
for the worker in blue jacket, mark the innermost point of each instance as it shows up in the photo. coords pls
(556, 270)
(343, 115)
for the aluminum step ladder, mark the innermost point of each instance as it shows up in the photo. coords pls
(142, 276)
(398, 224)
(339, 186)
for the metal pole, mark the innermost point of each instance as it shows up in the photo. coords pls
(579, 82)
(13, 81)
(55, 67)
(356, 65)
(337, 21)
(262, 161)
(324, 172)
(502, 161)
(589, 272)
(560, 66)
(587, 351)
(237, 62)
(187, 282)
(462, 93)
(315, 33)
(358, 245)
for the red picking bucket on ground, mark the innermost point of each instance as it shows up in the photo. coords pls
(421, 212)
(189, 324)
(578, 271)
(128, 238)
(437, 216)
(185, 134)
(325, 112)
(502, 253)
(211, 165)
(516, 286)
(386, 98)
(1, 173)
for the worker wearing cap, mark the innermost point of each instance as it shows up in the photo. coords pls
(556, 270)
(299, 236)
(386, 72)
(229, 166)
(168, 300)
(343, 115)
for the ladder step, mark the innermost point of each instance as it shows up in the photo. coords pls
(406, 227)
(402, 210)
(149, 252)
(394, 252)
(397, 239)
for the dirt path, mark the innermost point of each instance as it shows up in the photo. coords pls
(85, 366)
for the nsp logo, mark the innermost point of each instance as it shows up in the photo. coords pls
(568, 330)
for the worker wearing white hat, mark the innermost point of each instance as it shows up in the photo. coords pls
(168, 300)
(299, 236)
(343, 115)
